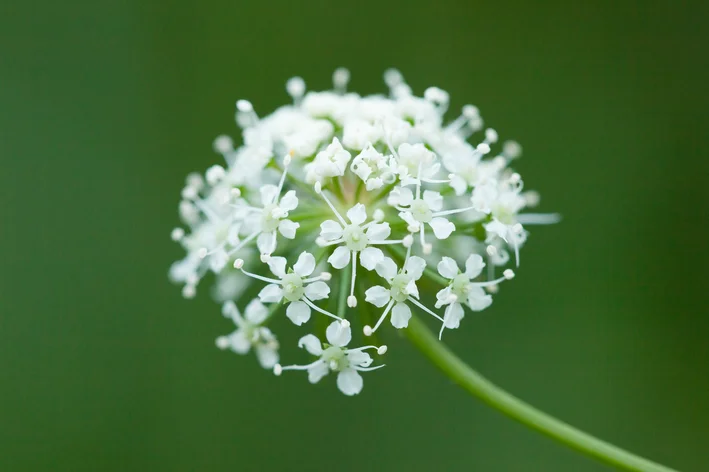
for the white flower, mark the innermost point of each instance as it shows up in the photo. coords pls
(373, 168)
(402, 289)
(335, 357)
(351, 181)
(332, 162)
(462, 288)
(250, 334)
(295, 286)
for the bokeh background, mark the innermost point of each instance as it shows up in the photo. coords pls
(106, 106)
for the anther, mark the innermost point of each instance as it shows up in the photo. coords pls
(244, 106)
(265, 257)
(408, 241)
(177, 234)
(189, 291)
(483, 148)
(223, 144)
(214, 174)
(378, 214)
(277, 369)
(222, 342)
(202, 253)
(238, 264)
(326, 276)
(491, 250)
(351, 301)
(490, 135)
(367, 330)
(295, 87)
(317, 187)
(508, 274)
(382, 349)
(427, 248)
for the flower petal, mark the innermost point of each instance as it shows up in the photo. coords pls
(317, 290)
(434, 200)
(377, 296)
(441, 227)
(311, 344)
(357, 214)
(448, 268)
(400, 315)
(349, 382)
(386, 268)
(268, 194)
(271, 294)
(264, 242)
(267, 356)
(339, 258)
(414, 266)
(277, 266)
(238, 342)
(370, 257)
(305, 264)
(359, 358)
(478, 300)
(255, 312)
(317, 372)
(378, 231)
(330, 230)
(474, 265)
(289, 201)
(298, 312)
(454, 313)
(288, 228)
(338, 335)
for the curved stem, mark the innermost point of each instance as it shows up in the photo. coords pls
(515, 408)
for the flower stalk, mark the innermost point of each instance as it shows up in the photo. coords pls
(478, 386)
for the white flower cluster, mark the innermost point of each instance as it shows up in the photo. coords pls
(379, 188)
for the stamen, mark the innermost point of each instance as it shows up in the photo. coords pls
(296, 89)
(278, 368)
(340, 79)
(177, 234)
(352, 300)
(318, 190)
(420, 305)
(318, 309)
(539, 218)
(368, 330)
(256, 276)
(368, 369)
(453, 212)
(244, 242)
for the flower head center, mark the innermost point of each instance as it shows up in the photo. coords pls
(420, 211)
(293, 287)
(461, 286)
(335, 358)
(398, 287)
(270, 218)
(355, 238)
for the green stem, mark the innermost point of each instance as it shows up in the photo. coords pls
(477, 385)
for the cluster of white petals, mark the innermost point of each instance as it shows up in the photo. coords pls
(379, 197)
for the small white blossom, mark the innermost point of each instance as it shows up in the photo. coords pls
(250, 334)
(331, 162)
(463, 288)
(335, 357)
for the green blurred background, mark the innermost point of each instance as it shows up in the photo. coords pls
(106, 106)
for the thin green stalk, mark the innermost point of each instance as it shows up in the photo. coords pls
(478, 386)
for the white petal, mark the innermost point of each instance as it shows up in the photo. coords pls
(311, 344)
(441, 227)
(377, 296)
(408, 217)
(474, 265)
(478, 300)
(349, 382)
(357, 214)
(434, 200)
(459, 185)
(298, 312)
(443, 297)
(317, 290)
(370, 257)
(412, 289)
(386, 268)
(414, 267)
(267, 356)
(305, 264)
(255, 312)
(277, 266)
(264, 242)
(378, 231)
(406, 196)
(271, 294)
(339, 258)
(448, 268)
(289, 201)
(359, 358)
(453, 315)
(400, 315)
(238, 342)
(338, 335)
(268, 194)
(317, 372)
(288, 228)
(330, 230)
